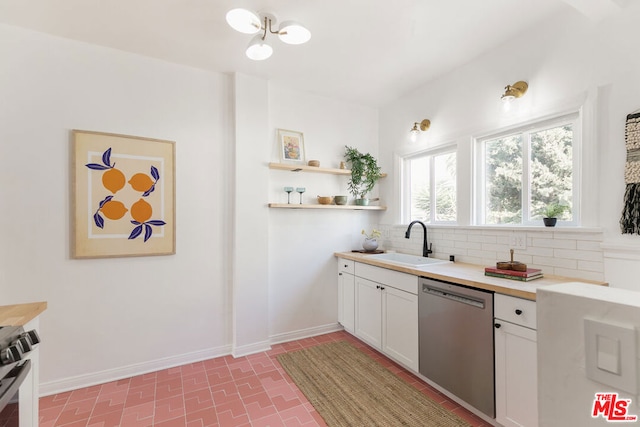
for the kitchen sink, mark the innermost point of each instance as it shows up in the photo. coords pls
(414, 261)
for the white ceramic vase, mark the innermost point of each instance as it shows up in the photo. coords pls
(370, 244)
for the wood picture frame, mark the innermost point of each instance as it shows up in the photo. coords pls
(123, 195)
(291, 146)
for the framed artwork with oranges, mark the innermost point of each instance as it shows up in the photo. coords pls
(291, 146)
(123, 192)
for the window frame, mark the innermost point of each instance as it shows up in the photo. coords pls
(405, 179)
(478, 189)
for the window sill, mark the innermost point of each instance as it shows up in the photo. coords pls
(541, 228)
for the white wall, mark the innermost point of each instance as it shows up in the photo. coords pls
(302, 269)
(109, 317)
(570, 63)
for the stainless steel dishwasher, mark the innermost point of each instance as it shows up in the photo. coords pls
(456, 341)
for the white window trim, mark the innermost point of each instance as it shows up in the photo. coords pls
(542, 123)
(405, 200)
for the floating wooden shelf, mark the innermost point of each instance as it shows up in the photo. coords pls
(340, 207)
(304, 168)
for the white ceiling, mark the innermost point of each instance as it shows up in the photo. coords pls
(363, 51)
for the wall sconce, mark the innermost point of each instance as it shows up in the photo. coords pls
(259, 48)
(417, 127)
(512, 92)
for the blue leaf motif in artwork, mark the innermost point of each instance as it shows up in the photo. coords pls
(154, 173)
(106, 157)
(134, 222)
(97, 167)
(106, 199)
(136, 232)
(157, 222)
(149, 191)
(97, 218)
(147, 232)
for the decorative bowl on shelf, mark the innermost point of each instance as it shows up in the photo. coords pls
(340, 200)
(315, 163)
(325, 200)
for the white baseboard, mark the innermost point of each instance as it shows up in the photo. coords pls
(80, 381)
(245, 350)
(305, 333)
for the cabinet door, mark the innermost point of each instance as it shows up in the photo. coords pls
(516, 375)
(368, 312)
(400, 326)
(346, 301)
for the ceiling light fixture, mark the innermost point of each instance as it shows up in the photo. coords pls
(417, 127)
(512, 92)
(247, 22)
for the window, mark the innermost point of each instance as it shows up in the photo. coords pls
(430, 187)
(522, 171)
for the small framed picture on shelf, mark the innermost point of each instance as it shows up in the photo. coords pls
(291, 144)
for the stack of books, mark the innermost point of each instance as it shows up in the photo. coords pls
(524, 276)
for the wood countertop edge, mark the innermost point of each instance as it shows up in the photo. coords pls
(20, 314)
(508, 289)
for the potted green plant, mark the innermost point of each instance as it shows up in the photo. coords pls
(551, 212)
(365, 172)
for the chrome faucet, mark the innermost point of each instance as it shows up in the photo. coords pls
(426, 250)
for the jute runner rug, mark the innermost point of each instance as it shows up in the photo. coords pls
(349, 388)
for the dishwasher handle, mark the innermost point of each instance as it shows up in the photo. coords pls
(453, 296)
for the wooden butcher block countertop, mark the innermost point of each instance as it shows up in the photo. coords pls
(20, 314)
(470, 275)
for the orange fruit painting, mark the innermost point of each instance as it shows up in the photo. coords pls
(141, 182)
(113, 180)
(141, 211)
(113, 209)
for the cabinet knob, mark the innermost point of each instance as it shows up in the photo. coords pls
(346, 265)
(518, 311)
(339, 274)
(497, 325)
(382, 288)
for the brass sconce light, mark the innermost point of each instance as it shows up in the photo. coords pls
(417, 127)
(513, 92)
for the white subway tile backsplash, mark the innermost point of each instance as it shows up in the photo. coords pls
(588, 245)
(575, 254)
(468, 245)
(554, 243)
(580, 255)
(536, 250)
(556, 262)
(594, 266)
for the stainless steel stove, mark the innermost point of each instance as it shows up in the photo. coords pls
(15, 345)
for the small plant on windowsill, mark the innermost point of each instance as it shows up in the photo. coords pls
(551, 212)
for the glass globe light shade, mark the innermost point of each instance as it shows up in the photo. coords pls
(259, 49)
(292, 32)
(244, 21)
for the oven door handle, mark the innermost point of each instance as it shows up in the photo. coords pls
(16, 382)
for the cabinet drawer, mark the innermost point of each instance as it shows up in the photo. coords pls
(403, 281)
(346, 265)
(515, 310)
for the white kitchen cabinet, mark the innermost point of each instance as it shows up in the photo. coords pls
(387, 312)
(369, 312)
(346, 294)
(400, 326)
(516, 361)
